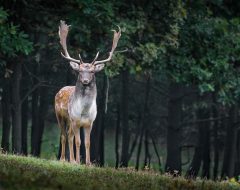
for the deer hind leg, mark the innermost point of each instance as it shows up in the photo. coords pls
(76, 132)
(61, 125)
(87, 132)
(70, 143)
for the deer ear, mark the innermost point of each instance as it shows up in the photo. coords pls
(99, 67)
(74, 66)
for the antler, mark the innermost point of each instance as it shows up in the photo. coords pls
(95, 58)
(63, 32)
(116, 37)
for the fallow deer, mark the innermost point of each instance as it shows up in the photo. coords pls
(76, 105)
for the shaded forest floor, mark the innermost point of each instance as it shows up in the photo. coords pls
(19, 172)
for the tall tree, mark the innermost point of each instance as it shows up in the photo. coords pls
(144, 118)
(13, 42)
(173, 163)
(25, 111)
(6, 114)
(16, 109)
(125, 112)
(230, 145)
(97, 136)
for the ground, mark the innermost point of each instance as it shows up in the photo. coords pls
(18, 172)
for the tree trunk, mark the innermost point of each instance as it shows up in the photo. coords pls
(24, 126)
(230, 145)
(215, 141)
(35, 112)
(147, 158)
(97, 134)
(173, 163)
(157, 154)
(16, 110)
(202, 148)
(6, 114)
(40, 104)
(24, 114)
(206, 150)
(125, 111)
(94, 150)
(117, 136)
(139, 149)
(38, 132)
(133, 146)
(101, 138)
(237, 160)
(144, 123)
(39, 97)
(195, 165)
(103, 110)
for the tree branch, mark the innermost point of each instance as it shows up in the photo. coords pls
(204, 120)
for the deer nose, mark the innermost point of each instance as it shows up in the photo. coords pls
(85, 81)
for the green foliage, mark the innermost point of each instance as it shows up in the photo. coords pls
(91, 23)
(189, 42)
(207, 54)
(12, 39)
(19, 172)
(3, 15)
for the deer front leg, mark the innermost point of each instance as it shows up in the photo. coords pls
(76, 132)
(70, 143)
(87, 132)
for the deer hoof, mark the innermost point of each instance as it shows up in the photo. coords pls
(73, 162)
(88, 164)
(62, 160)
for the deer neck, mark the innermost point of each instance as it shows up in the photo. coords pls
(82, 104)
(86, 91)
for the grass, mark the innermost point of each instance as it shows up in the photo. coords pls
(18, 172)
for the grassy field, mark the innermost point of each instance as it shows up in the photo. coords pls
(19, 172)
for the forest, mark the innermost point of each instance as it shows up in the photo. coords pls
(168, 100)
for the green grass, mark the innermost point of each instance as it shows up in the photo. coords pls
(17, 172)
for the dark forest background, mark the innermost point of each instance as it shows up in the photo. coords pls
(169, 98)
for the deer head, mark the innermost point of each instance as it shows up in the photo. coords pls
(86, 70)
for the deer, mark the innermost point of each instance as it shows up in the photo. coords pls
(76, 105)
